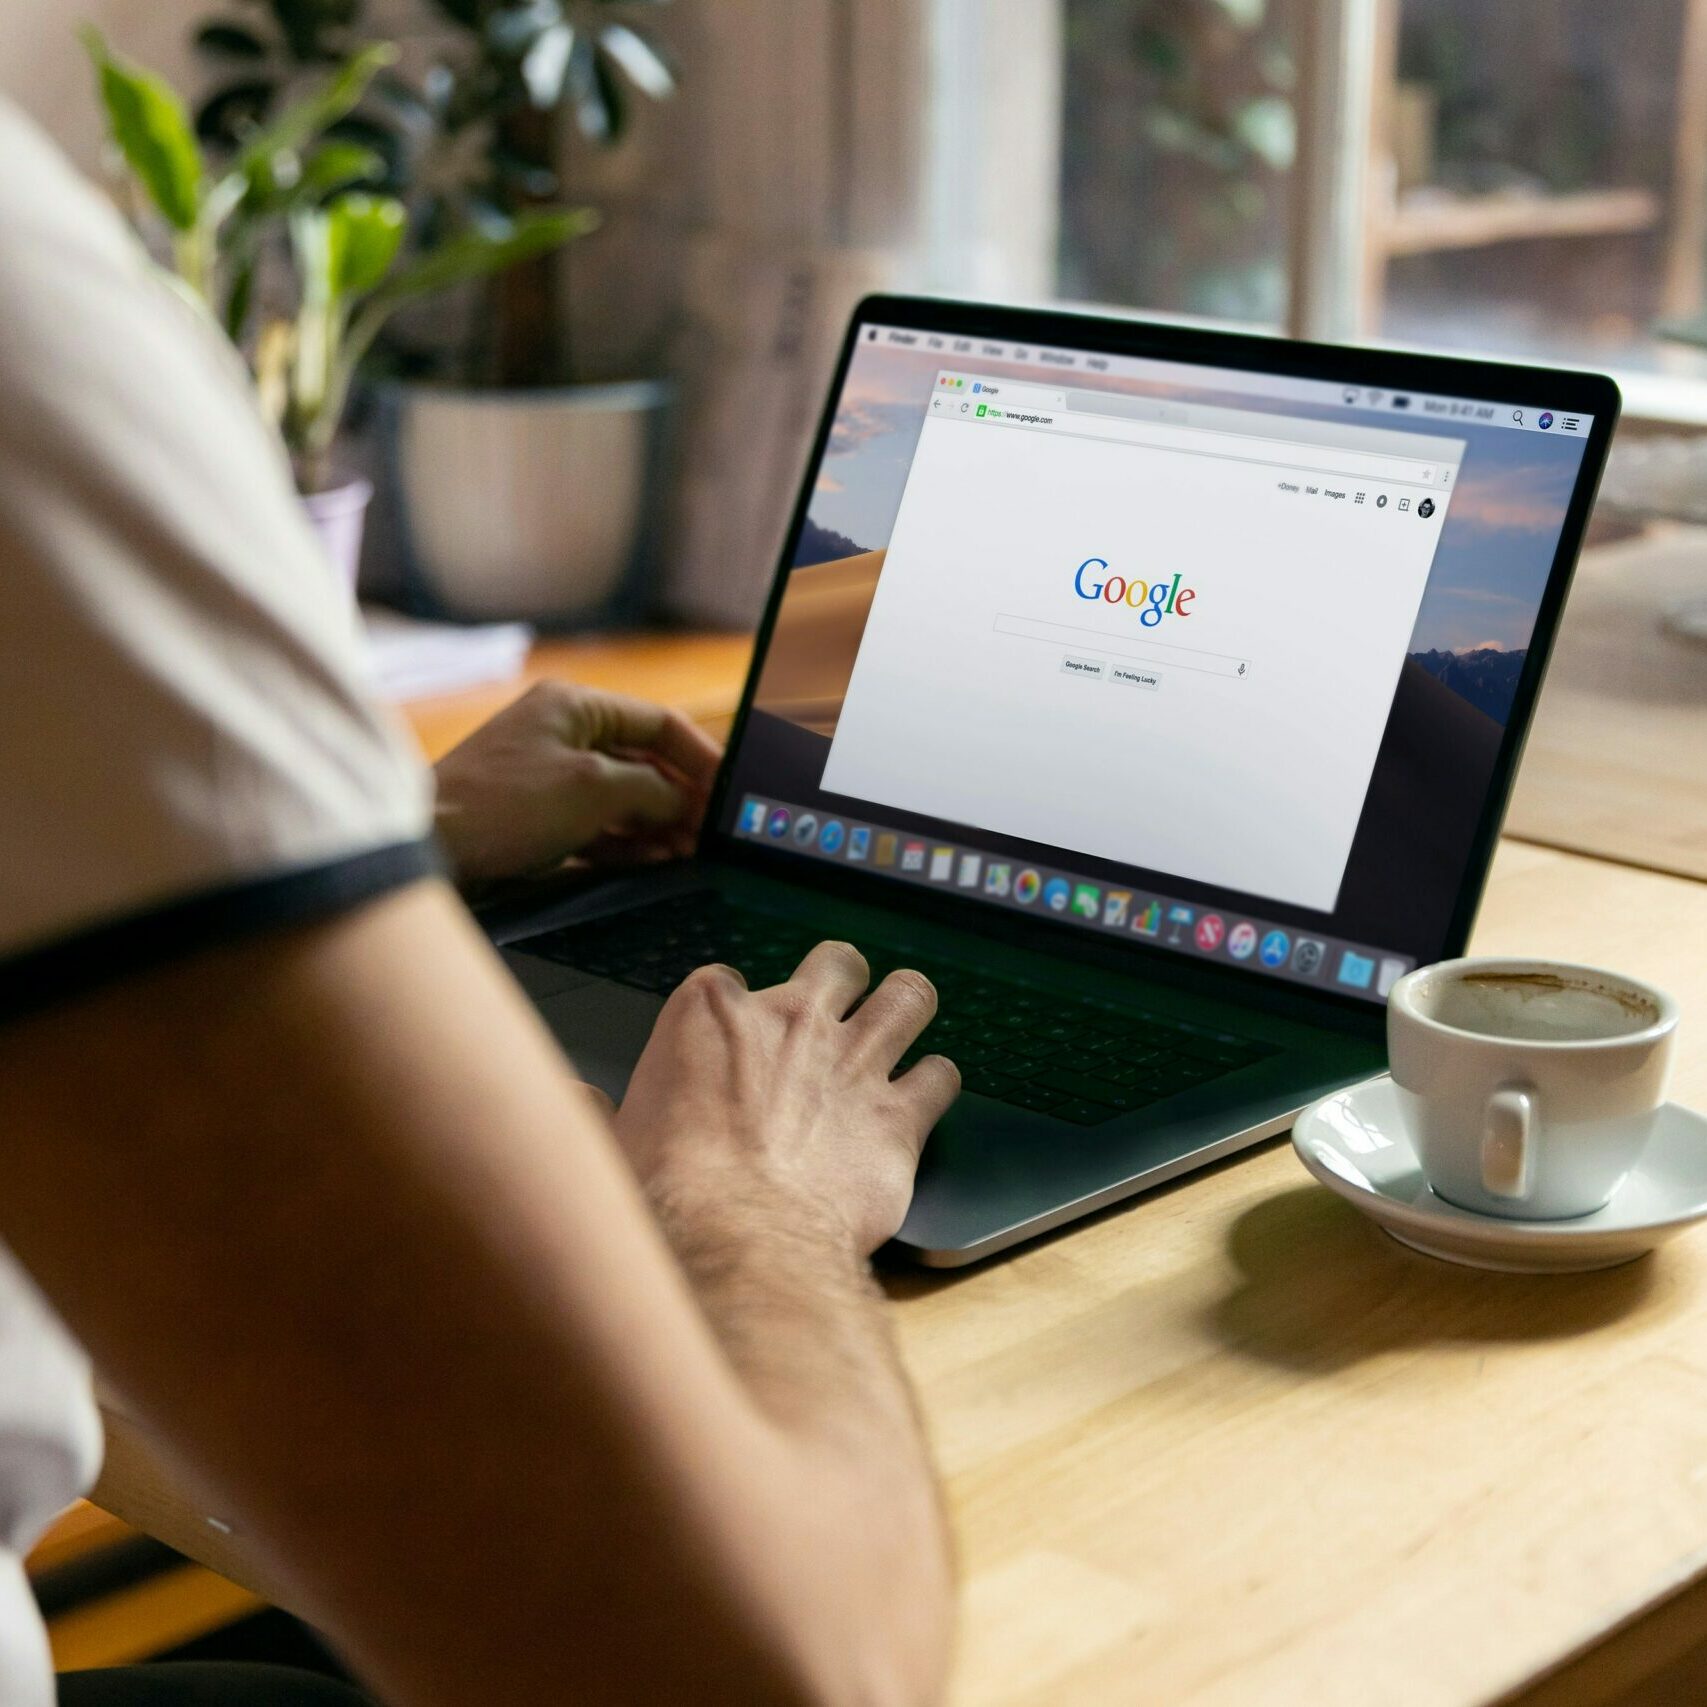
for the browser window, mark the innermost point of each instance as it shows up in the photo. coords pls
(1165, 638)
(1215, 660)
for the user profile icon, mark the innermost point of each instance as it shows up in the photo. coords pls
(1426, 508)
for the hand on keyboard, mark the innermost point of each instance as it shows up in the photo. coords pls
(784, 1096)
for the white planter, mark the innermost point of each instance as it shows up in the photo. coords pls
(526, 504)
(338, 516)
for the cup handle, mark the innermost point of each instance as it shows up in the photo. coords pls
(1506, 1149)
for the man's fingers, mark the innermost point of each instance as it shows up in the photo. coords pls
(892, 1016)
(929, 1090)
(614, 721)
(633, 795)
(834, 972)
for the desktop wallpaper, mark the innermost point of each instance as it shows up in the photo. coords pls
(1456, 687)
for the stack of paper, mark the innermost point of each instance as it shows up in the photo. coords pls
(408, 659)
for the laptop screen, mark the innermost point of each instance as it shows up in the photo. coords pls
(1218, 662)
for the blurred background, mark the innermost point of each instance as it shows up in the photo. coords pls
(1528, 179)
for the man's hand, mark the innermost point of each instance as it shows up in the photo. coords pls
(784, 1096)
(567, 771)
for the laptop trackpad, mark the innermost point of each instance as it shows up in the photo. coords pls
(602, 1027)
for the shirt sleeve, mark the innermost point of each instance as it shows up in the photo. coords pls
(189, 751)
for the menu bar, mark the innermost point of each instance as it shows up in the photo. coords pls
(1187, 927)
(1517, 415)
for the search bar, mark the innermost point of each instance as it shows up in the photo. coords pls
(1120, 646)
(1200, 441)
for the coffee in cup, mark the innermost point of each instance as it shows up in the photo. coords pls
(1529, 1086)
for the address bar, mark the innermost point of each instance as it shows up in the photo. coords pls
(1202, 441)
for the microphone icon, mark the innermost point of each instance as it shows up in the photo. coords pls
(1241, 669)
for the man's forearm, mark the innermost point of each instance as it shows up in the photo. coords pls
(804, 1325)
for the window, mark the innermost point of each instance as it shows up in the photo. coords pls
(1526, 179)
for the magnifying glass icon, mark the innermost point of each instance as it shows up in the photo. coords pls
(1517, 416)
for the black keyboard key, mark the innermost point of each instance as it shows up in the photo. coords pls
(1121, 1098)
(1083, 1113)
(1034, 1099)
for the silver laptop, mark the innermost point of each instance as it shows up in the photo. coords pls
(1158, 693)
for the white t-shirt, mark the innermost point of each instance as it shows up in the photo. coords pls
(188, 754)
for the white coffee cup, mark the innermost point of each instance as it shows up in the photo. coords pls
(1529, 1086)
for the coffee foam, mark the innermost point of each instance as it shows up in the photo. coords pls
(1537, 1006)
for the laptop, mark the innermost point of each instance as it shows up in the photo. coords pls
(1157, 692)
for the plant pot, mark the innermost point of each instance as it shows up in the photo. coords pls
(338, 515)
(528, 504)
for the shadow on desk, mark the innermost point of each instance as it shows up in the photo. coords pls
(1321, 1289)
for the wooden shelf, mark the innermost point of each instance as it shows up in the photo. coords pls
(1425, 222)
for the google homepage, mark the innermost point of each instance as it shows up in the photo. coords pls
(1174, 646)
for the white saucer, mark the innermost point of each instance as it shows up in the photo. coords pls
(1356, 1144)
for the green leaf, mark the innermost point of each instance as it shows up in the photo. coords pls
(586, 95)
(300, 124)
(1247, 14)
(152, 129)
(230, 41)
(476, 255)
(545, 64)
(365, 234)
(336, 165)
(1266, 127)
(639, 61)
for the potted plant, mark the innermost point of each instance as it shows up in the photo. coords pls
(472, 136)
(291, 181)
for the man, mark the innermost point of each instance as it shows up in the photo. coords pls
(527, 1400)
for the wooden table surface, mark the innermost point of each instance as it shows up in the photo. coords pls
(1617, 759)
(1228, 1444)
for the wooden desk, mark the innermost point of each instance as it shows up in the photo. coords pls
(702, 673)
(1230, 1445)
(1617, 760)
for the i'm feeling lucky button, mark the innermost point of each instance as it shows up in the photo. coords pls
(1100, 669)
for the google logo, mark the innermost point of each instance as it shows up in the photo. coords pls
(1151, 599)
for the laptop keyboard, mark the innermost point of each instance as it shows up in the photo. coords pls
(1081, 1060)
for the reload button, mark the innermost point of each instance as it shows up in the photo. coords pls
(1134, 676)
(1093, 669)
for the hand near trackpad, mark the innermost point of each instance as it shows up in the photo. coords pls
(603, 1028)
